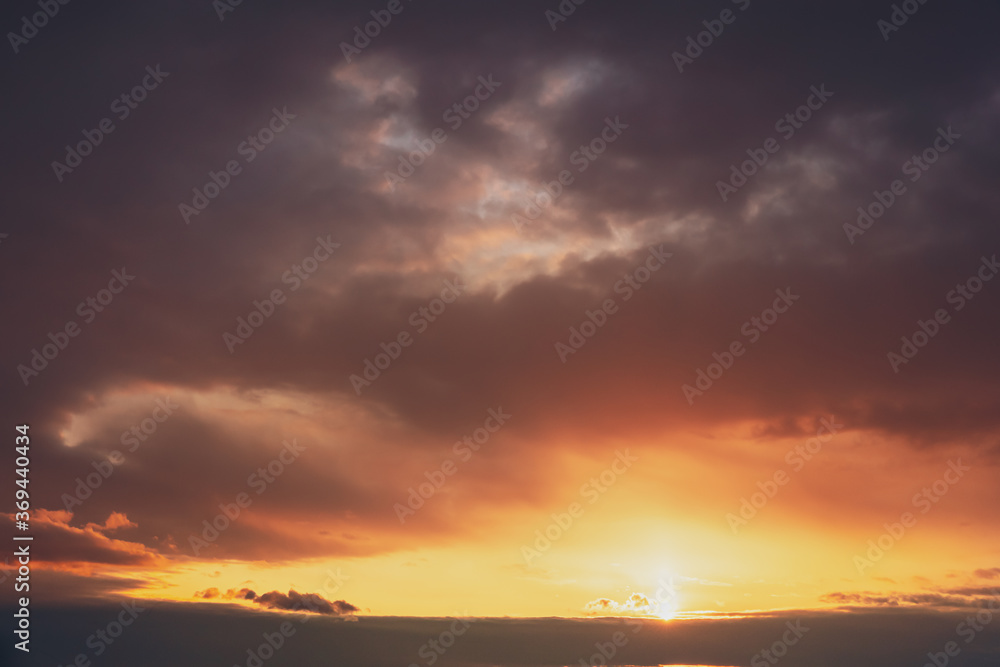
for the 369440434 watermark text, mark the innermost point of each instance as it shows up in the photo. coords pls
(22, 550)
(22, 546)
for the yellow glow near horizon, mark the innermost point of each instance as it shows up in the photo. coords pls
(662, 519)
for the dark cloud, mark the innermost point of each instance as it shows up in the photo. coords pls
(293, 601)
(221, 635)
(963, 598)
(658, 184)
(305, 602)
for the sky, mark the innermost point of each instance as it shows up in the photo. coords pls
(564, 319)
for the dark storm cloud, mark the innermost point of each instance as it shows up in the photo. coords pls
(323, 176)
(685, 131)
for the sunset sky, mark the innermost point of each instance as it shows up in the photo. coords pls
(530, 313)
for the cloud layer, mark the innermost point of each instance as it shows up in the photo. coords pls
(614, 157)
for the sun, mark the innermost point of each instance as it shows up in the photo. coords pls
(665, 601)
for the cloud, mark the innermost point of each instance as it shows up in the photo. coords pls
(325, 176)
(637, 604)
(115, 521)
(309, 601)
(967, 598)
(657, 185)
(68, 544)
(293, 601)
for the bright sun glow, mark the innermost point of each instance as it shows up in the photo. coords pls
(666, 599)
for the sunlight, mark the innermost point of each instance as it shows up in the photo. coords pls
(666, 600)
